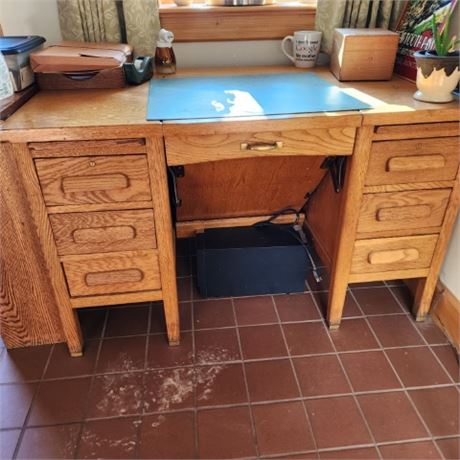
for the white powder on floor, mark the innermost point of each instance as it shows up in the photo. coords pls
(93, 441)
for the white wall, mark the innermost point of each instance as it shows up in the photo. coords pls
(30, 17)
(39, 17)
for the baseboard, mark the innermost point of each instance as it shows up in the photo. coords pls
(445, 311)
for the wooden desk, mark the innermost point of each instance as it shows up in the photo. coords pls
(87, 219)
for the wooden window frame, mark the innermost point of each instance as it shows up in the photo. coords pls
(215, 23)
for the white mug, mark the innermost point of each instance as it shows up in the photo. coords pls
(305, 44)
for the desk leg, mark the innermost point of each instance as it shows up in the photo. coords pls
(165, 236)
(425, 289)
(349, 215)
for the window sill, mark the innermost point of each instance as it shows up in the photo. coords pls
(214, 23)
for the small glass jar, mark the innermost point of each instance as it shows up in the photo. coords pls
(165, 60)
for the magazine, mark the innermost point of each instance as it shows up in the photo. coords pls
(415, 33)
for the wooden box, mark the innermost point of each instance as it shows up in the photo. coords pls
(363, 54)
(102, 79)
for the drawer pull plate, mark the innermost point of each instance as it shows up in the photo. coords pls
(94, 183)
(131, 275)
(104, 234)
(403, 212)
(261, 146)
(393, 256)
(415, 163)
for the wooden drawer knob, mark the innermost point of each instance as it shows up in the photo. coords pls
(403, 212)
(103, 234)
(415, 163)
(94, 183)
(131, 275)
(393, 256)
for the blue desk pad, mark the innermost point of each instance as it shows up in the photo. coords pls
(194, 98)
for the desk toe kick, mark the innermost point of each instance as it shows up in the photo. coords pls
(395, 214)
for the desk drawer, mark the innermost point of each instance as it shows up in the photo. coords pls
(403, 210)
(184, 149)
(417, 160)
(84, 180)
(108, 231)
(387, 254)
(112, 273)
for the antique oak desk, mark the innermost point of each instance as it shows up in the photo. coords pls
(85, 207)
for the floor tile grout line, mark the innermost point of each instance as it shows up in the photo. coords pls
(91, 384)
(249, 360)
(194, 361)
(429, 347)
(140, 417)
(353, 393)
(31, 405)
(246, 385)
(299, 388)
(414, 407)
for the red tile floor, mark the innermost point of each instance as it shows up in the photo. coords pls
(258, 377)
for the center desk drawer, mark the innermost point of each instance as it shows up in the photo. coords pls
(416, 160)
(183, 149)
(403, 210)
(387, 254)
(106, 231)
(102, 179)
(112, 273)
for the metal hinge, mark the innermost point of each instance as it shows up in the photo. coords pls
(336, 167)
(174, 173)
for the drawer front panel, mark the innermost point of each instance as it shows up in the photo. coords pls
(192, 149)
(403, 210)
(107, 231)
(387, 254)
(84, 180)
(112, 273)
(82, 148)
(420, 130)
(417, 160)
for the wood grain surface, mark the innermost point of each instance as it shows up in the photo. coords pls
(417, 160)
(104, 179)
(182, 150)
(399, 253)
(27, 316)
(114, 272)
(109, 231)
(165, 236)
(88, 147)
(68, 317)
(246, 187)
(403, 210)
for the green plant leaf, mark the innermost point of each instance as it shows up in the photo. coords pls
(434, 28)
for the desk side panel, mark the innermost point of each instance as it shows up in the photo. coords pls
(28, 310)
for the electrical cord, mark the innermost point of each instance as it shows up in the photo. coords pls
(295, 230)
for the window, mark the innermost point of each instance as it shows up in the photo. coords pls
(200, 22)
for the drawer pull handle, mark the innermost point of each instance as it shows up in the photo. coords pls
(94, 183)
(403, 212)
(415, 163)
(130, 275)
(104, 234)
(261, 146)
(393, 256)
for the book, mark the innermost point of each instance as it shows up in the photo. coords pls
(415, 34)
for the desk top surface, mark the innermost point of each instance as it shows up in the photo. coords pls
(392, 100)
